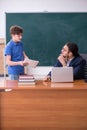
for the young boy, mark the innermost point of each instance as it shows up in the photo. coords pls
(15, 54)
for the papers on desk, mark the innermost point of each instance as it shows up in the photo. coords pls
(7, 90)
(32, 63)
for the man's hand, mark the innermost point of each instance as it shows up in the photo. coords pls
(62, 59)
(47, 78)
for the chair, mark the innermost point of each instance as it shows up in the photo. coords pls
(85, 70)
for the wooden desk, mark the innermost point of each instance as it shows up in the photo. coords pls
(44, 106)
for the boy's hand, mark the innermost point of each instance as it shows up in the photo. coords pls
(23, 63)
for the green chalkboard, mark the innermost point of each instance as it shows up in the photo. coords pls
(46, 33)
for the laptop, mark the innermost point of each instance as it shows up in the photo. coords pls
(62, 74)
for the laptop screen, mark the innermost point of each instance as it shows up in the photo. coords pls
(62, 74)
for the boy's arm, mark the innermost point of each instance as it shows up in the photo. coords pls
(13, 63)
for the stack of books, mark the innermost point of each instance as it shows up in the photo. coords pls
(26, 80)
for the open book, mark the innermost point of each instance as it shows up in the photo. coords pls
(32, 63)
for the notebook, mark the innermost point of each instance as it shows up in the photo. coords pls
(62, 74)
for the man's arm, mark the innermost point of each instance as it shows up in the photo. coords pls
(79, 70)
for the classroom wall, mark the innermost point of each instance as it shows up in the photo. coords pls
(38, 6)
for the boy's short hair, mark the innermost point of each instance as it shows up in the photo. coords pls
(15, 29)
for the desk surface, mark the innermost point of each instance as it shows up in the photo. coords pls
(44, 106)
(41, 85)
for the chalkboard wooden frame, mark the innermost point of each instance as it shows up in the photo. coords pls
(46, 33)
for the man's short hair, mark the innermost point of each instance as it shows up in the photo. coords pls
(73, 48)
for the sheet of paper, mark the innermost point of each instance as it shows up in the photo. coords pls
(32, 63)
